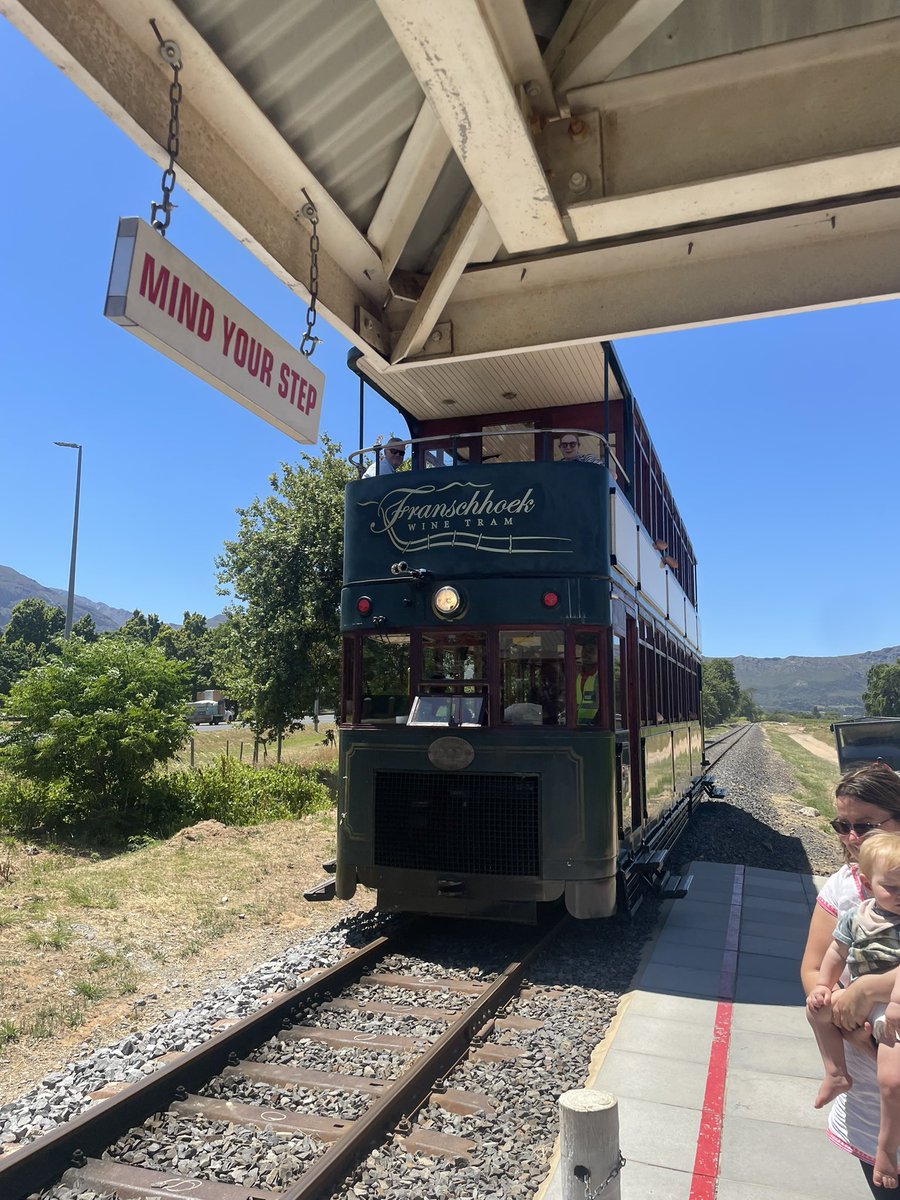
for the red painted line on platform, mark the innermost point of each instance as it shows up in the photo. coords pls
(709, 1139)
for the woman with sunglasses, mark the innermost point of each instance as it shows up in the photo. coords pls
(865, 800)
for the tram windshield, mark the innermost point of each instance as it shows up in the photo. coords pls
(448, 708)
(385, 679)
(532, 677)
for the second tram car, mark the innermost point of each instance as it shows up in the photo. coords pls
(521, 712)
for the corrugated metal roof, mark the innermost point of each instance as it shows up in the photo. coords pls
(330, 78)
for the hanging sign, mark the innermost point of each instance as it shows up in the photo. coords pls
(157, 293)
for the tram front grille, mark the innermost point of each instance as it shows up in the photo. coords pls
(473, 824)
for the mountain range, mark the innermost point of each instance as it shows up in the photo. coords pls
(15, 587)
(797, 684)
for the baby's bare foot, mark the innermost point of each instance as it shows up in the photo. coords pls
(832, 1087)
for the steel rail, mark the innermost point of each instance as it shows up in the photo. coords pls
(41, 1162)
(412, 1088)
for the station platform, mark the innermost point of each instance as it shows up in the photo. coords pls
(710, 1056)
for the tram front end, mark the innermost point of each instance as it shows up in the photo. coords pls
(477, 743)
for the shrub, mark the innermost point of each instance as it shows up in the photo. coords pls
(96, 720)
(233, 793)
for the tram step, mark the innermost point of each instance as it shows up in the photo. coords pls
(673, 887)
(322, 891)
(330, 866)
(716, 793)
(649, 862)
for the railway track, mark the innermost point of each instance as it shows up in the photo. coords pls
(727, 742)
(133, 1144)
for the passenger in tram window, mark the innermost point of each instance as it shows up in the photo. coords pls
(867, 941)
(389, 461)
(587, 686)
(866, 799)
(570, 449)
(547, 694)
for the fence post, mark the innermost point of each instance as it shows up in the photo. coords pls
(278, 751)
(241, 753)
(589, 1144)
(227, 754)
(192, 750)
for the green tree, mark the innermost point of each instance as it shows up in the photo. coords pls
(34, 622)
(721, 693)
(139, 628)
(191, 643)
(31, 635)
(282, 646)
(85, 628)
(882, 695)
(96, 719)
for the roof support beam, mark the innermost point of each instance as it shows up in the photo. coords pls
(781, 124)
(462, 73)
(426, 150)
(815, 260)
(607, 37)
(472, 224)
(231, 159)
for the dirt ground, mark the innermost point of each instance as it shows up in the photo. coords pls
(812, 744)
(93, 950)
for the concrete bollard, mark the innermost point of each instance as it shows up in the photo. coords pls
(589, 1142)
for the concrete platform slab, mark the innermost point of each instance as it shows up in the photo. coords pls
(785, 1156)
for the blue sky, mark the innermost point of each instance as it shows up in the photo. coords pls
(779, 436)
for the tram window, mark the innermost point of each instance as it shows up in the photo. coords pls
(448, 708)
(532, 677)
(587, 680)
(453, 656)
(385, 679)
(508, 443)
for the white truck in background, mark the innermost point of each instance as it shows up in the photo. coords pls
(206, 712)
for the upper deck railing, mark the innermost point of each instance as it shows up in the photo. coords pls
(453, 445)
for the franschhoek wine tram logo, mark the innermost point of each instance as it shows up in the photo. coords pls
(463, 514)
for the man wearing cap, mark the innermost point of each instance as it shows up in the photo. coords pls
(389, 461)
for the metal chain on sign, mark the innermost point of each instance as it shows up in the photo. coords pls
(584, 1174)
(169, 52)
(310, 341)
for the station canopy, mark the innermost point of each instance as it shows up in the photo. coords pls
(501, 185)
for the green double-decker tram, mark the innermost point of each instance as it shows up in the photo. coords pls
(521, 686)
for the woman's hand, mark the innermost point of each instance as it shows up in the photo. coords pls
(850, 1006)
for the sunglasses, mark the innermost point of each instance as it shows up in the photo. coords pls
(860, 828)
(400, 452)
(568, 445)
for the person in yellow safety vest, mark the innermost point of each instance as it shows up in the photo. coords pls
(587, 687)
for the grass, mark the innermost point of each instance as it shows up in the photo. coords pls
(55, 938)
(79, 933)
(814, 777)
(211, 743)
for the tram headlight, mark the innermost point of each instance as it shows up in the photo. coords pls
(446, 602)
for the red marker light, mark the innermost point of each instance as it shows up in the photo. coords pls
(364, 606)
(550, 599)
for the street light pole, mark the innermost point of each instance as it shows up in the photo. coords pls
(70, 600)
